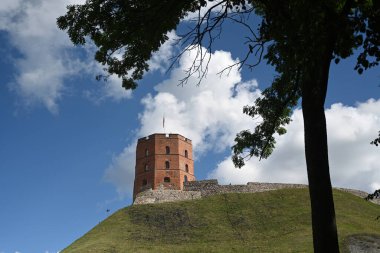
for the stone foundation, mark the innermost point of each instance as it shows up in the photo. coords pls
(212, 187)
(162, 195)
(203, 188)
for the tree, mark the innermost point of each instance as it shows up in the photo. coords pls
(376, 141)
(299, 38)
(374, 195)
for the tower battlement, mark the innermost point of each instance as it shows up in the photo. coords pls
(163, 160)
(160, 136)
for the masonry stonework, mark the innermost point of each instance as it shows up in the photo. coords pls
(203, 188)
(163, 160)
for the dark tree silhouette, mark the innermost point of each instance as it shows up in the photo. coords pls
(376, 141)
(374, 195)
(299, 38)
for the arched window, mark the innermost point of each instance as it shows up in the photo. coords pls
(185, 179)
(144, 182)
(146, 167)
(187, 168)
(186, 155)
(167, 165)
(167, 150)
(167, 179)
(146, 152)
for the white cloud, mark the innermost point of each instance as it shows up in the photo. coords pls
(193, 16)
(209, 114)
(121, 171)
(353, 161)
(162, 59)
(47, 56)
(31, 29)
(110, 90)
(9, 5)
(113, 89)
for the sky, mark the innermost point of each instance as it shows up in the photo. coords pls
(67, 150)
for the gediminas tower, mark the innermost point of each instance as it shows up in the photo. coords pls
(163, 160)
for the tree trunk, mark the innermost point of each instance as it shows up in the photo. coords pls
(325, 238)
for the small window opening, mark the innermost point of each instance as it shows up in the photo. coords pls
(146, 167)
(185, 179)
(144, 182)
(167, 179)
(186, 154)
(187, 168)
(167, 165)
(167, 150)
(146, 152)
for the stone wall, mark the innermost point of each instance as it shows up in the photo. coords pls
(211, 187)
(203, 188)
(358, 193)
(163, 195)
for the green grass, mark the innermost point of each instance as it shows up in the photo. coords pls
(275, 221)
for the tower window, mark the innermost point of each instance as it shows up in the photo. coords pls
(167, 165)
(167, 179)
(146, 167)
(144, 182)
(186, 154)
(187, 168)
(146, 152)
(185, 179)
(167, 150)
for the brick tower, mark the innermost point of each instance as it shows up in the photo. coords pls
(163, 160)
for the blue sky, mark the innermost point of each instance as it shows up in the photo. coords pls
(68, 141)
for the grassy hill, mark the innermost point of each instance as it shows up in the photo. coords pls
(275, 221)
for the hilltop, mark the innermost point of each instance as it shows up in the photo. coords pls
(273, 221)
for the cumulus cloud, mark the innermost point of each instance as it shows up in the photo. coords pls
(9, 5)
(111, 89)
(46, 55)
(286, 164)
(121, 171)
(162, 59)
(353, 161)
(210, 114)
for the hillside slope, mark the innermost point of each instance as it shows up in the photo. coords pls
(275, 221)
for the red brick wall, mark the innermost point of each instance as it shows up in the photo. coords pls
(156, 145)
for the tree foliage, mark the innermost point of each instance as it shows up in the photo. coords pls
(376, 141)
(374, 195)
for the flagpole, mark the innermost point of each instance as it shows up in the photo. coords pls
(163, 122)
